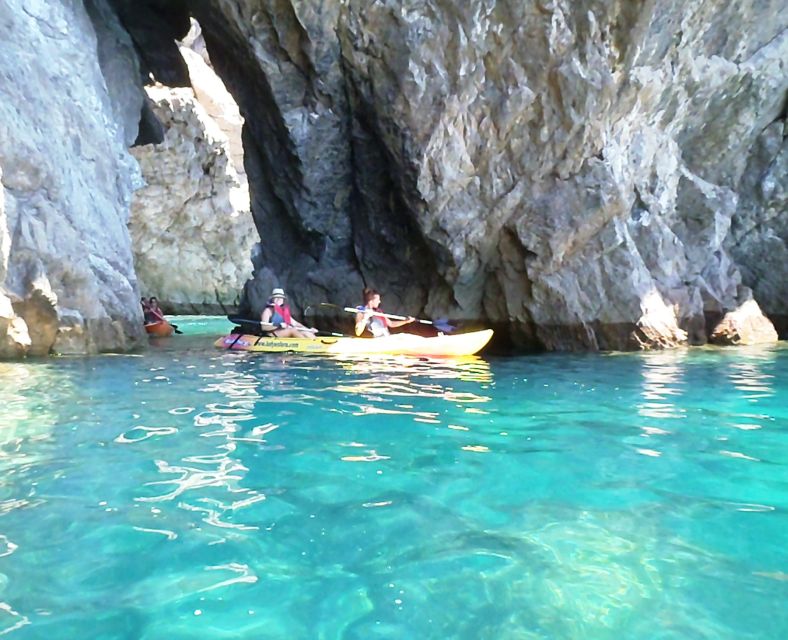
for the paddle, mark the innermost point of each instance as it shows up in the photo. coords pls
(315, 331)
(440, 324)
(245, 321)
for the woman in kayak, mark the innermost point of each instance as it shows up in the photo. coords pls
(156, 314)
(146, 312)
(277, 320)
(370, 318)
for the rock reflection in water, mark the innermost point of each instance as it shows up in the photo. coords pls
(748, 373)
(663, 378)
(31, 398)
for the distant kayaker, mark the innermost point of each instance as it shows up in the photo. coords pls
(277, 320)
(369, 318)
(146, 314)
(156, 314)
(155, 322)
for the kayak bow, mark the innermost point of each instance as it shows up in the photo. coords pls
(160, 329)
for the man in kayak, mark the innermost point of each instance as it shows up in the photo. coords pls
(277, 320)
(369, 317)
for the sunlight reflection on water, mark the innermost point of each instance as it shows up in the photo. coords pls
(381, 382)
(663, 377)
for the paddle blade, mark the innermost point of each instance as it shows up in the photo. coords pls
(243, 321)
(442, 324)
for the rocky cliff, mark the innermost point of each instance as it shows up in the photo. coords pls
(191, 225)
(581, 174)
(191, 228)
(70, 105)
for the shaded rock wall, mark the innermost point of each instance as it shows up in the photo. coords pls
(758, 240)
(285, 73)
(67, 282)
(568, 171)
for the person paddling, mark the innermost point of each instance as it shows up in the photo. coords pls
(156, 314)
(146, 312)
(369, 319)
(277, 320)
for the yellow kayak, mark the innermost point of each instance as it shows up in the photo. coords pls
(406, 344)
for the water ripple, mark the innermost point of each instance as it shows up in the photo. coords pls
(6, 546)
(738, 454)
(10, 620)
(143, 433)
(192, 478)
(244, 575)
(214, 514)
(170, 535)
(179, 411)
(749, 377)
(372, 456)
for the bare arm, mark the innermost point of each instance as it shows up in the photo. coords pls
(265, 320)
(361, 322)
(399, 323)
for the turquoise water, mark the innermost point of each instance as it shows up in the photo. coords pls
(193, 493)
(200, 326)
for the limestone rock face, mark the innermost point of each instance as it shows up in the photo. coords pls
(583, 175)
(579, 174)
(745, 325)
(66, 274)
(216, 100)
(14, 339)
(191, 228)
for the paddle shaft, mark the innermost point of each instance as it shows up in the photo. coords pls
(257, 324)
(390, 316)
(441, 325)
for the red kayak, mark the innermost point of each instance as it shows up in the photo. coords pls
(160, 329)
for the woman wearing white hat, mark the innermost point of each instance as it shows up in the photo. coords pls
(277, 320)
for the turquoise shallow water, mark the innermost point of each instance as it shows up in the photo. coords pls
(192, 493)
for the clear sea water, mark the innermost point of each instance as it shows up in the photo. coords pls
(193, 493)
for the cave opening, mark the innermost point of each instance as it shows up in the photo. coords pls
(190, 223)
(325, 198)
